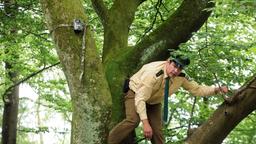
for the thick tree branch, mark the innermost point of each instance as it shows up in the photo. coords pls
(116, 33)
(178, 28)
(227, 116)
(101, 10)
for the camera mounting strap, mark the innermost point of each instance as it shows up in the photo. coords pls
(59, 26)
(77, 24)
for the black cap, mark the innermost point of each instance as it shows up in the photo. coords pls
(181, 61)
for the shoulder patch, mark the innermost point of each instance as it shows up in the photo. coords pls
(185, 76)
(159, 73)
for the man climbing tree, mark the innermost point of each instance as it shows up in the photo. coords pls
(145, 94)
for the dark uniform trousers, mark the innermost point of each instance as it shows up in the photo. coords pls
(132, 120)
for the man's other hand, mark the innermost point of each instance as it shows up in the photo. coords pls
(147, 130)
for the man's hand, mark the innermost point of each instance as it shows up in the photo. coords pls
(222, 89)
(148, 132)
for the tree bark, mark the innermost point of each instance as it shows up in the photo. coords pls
(83, 70)
(115, 44)
(226, 117)
(10, 115)
(11, 97)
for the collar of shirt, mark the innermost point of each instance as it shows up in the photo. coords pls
(165, 74)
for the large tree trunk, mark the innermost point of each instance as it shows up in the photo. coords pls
(11, 96)
(83, 70)
(226, 117)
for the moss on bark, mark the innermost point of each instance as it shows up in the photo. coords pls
(83, 70)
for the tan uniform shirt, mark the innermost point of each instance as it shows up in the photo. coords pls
(149, 87)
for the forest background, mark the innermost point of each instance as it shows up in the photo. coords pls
(57, 85)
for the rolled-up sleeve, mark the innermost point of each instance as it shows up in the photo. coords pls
(142, 94)
(197, 90)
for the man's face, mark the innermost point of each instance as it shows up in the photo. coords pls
(172, 69)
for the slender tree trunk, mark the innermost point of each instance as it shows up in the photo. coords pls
(11, 103)
(39, 119)
(11, 97)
